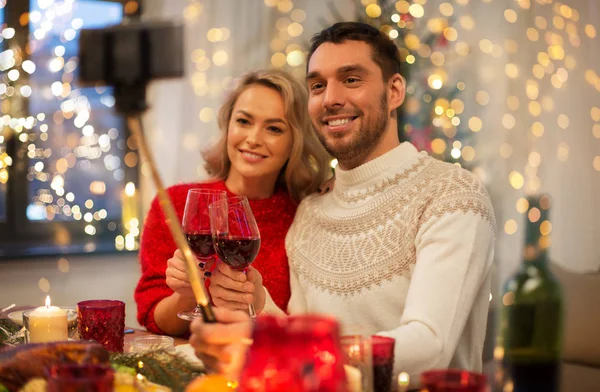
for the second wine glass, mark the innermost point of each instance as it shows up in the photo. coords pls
(235, 234)
(196, 227)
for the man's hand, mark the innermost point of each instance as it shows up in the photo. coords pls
(177, 278)
(222, 346)
(233, 289)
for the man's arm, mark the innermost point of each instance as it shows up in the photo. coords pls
(452, 273)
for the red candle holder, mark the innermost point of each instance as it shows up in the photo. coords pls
(383, 362)
(102, 321)
(453, 380)
(298, 353)
(80, 378)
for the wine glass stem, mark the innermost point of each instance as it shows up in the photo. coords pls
(198, 308)
(251, 310)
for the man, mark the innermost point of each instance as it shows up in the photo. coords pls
(401, 247)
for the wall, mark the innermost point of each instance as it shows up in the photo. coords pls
(107, 276)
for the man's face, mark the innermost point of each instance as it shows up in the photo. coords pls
(348, 102)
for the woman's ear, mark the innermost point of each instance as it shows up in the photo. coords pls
(397, 91)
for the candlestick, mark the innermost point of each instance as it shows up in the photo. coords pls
(47, 324)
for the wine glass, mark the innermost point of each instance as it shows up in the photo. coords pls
(235, 234)
(196, 227)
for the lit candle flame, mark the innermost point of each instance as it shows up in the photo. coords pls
(47, 301)
(403, 381)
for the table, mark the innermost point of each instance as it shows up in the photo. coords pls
(128, 337)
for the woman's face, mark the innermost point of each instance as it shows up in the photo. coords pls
(259, 139)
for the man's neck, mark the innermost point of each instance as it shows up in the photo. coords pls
(389, 140)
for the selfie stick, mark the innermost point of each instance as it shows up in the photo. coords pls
(128, 57)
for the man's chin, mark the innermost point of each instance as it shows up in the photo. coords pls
(341, 151)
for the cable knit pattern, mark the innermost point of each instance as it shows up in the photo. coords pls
(273, 217)
(402, 247)
(373, 230)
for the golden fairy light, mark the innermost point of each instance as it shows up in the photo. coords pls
(93, 144)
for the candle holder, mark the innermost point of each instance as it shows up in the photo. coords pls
(102, 321)
(44, 328)
(358, 356)
(383, 362)
(298, 353)
(453, 380)
(71, 322)
(79, 378)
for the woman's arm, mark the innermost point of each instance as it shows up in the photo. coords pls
(157, 303)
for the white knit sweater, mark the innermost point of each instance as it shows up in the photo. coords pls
(401, 247)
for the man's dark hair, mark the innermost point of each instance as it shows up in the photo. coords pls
(384, 50)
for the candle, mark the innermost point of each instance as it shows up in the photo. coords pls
(353, 378)
(47, 324)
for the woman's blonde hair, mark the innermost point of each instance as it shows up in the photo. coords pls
(308, 164)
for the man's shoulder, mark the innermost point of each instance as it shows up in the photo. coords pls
(446, 179)
(451, 188)
(311, 200)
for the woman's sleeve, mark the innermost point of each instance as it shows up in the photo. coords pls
(156, 247)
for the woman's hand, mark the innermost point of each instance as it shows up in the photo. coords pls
(236, 290)
(177, 278)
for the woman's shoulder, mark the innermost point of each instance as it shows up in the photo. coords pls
(182, 189)
(280, 204)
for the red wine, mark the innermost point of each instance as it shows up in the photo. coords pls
(201, 244)
(382, 376)
(238, 253)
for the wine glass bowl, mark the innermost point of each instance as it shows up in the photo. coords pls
(236, 237)
(196, 227)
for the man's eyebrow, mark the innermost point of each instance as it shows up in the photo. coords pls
(352, 68)
(342, 70)
(312, 75)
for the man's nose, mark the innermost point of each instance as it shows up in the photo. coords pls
(334, 96)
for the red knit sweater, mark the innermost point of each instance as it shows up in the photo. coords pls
(273, 216)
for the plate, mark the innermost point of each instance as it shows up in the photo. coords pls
(17, 316)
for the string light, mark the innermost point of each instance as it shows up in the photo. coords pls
(46, 168)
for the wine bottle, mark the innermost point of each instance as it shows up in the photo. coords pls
(530, 338)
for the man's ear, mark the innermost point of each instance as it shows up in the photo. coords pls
(397, 90)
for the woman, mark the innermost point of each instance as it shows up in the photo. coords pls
(269, 153)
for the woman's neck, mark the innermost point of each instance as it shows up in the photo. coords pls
(252, 188)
